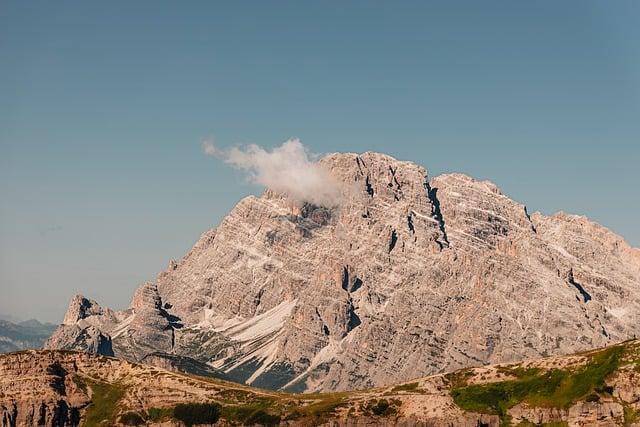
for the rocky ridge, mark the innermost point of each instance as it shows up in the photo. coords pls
(408, 276)
(63, 388)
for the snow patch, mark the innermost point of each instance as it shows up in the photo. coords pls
(122, 327)
(256, 327)
(258, 336)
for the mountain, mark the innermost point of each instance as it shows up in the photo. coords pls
(63, 388)
(407, 276)
(23, 335)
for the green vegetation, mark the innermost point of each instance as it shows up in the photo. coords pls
(518, 371)
(459, 378)
(262, 418)
(132, 419)
(550, 424)
(325, 406)
(159, 414)
(260, 410)
(606, 390)
(197, 413)
(234, 394)
(593, 397)
(251, 413)
(104, 401)
(558, 388)
(79, 382)
(630, 415)
(381, 408)
(406, 387)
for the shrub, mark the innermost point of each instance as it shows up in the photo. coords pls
(159, 414)
(131, 419)
(381, 407)
(197, 413)
(605, 389)
(592, 398)
(263, 418)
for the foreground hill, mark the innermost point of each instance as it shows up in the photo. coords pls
(407, 276)
(63, 388)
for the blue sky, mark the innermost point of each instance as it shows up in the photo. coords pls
(103, 106)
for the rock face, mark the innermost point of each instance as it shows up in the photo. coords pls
(39, 391)
(408, 276)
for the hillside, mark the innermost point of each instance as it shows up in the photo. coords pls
(408, 275)
(600, 387)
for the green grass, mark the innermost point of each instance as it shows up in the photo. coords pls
(406, 387)
(630, 415)
(549, 424)
(558, 388)
(518, 371)
(104, 403)
(159, 414)
(248, 412)
(79, 382)
(267, 410)
(234, 395)
(324, 407)
(459, 378)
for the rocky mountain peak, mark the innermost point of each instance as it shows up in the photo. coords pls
(146, 297)
(80, 308)
(404, 276)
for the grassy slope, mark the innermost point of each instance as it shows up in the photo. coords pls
(556, 388)
(104, 403)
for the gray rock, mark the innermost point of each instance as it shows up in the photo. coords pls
(75, 337)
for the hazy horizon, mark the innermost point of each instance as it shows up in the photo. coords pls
(102, 176)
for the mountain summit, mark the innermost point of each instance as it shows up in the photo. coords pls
(406, 277)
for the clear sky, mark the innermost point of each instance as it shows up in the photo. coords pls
(103, 106)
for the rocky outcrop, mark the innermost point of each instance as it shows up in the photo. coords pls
(81, 308)
(39, 391)
(88, 338)
(56, 388)
(409, 276)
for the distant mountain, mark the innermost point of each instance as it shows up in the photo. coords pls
(65, 388)
(22, 335)
(9, 318)
(407, 276)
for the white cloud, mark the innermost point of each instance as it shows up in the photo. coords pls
(208, 147)
(289, 169)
